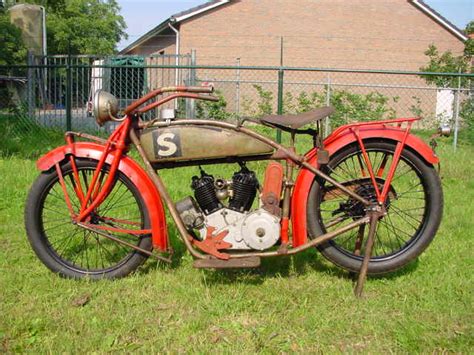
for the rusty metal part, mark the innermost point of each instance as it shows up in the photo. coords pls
(120, 241)
(323, 157)
(225, 160)
(86, 136)
(176, 96)
(359, 240)
(166, 197)
(280, 155)
(272, 188)
(193, 89)
(213, 243)
(291, 155)
(285, 220)
(227, 264)
(188, 143)
(374, 216)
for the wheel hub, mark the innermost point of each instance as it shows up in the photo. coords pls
(356, 209)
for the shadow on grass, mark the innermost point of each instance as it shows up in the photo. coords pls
(24, 139)
(283, 267)
(292, 266)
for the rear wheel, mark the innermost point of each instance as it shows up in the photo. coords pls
(414, 208)
(72, 251)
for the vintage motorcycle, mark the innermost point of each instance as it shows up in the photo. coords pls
(367, 196)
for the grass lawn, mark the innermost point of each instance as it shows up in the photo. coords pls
(298, 304)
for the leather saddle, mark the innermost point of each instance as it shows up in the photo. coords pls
(294, 122)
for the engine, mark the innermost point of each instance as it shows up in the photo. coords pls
(226, 205)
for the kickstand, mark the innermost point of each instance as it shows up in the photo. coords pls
(368, 253)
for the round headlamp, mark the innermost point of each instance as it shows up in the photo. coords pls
(105, 106)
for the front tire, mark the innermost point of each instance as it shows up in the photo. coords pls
(414, 208)
(72, 251)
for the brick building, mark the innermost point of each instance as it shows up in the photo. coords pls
(355, 34)
(375, 34)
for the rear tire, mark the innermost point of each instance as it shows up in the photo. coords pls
(72, 251)
(413, 215)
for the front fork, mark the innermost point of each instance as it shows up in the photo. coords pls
(98, 189)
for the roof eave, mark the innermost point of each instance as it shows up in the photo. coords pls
(438, 18)
(150, 34)
(177, 18)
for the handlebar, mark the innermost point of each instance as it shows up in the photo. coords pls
(201, 89)
(181, 89)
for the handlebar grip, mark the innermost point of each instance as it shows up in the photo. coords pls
(201, 89)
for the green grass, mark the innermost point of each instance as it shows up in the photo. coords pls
(298, 304)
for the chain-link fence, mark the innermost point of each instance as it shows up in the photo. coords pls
(56, 92)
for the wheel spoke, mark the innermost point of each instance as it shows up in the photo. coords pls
(405, 214)
(82, 249)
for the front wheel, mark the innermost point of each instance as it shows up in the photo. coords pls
(75, 252)
(414, 208)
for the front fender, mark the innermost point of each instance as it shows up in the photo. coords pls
(332, 144)
(128, 167)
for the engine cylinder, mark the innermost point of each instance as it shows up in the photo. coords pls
(244, 186)
(205, 193)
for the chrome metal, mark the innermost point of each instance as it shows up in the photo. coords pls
(105, 107)
(444, 130)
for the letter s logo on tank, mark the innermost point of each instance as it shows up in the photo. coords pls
(167, 144)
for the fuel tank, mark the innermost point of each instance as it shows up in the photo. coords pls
(189, 143)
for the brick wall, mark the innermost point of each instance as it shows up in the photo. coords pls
(375, 34)
(355, 34)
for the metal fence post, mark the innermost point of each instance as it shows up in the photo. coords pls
(237, 88)
(191, 106)
(68, 92)
(456, 113)
(327, 122)
(281, 74)
(31, 86)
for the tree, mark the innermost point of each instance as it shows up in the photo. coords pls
(447, 62)
(86, 27)
(82, 26)
(12, 50)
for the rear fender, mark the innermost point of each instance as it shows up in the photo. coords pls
(128, 167)
(332, 144)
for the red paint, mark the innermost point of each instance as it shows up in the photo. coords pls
(367, 163)
(213, 243)
(129, 168)
(394, 165)
(285, 223)
(122, 132)
(336, 141)
(273, 181)
(63, 187)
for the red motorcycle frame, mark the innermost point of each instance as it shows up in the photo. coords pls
(113, 152)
